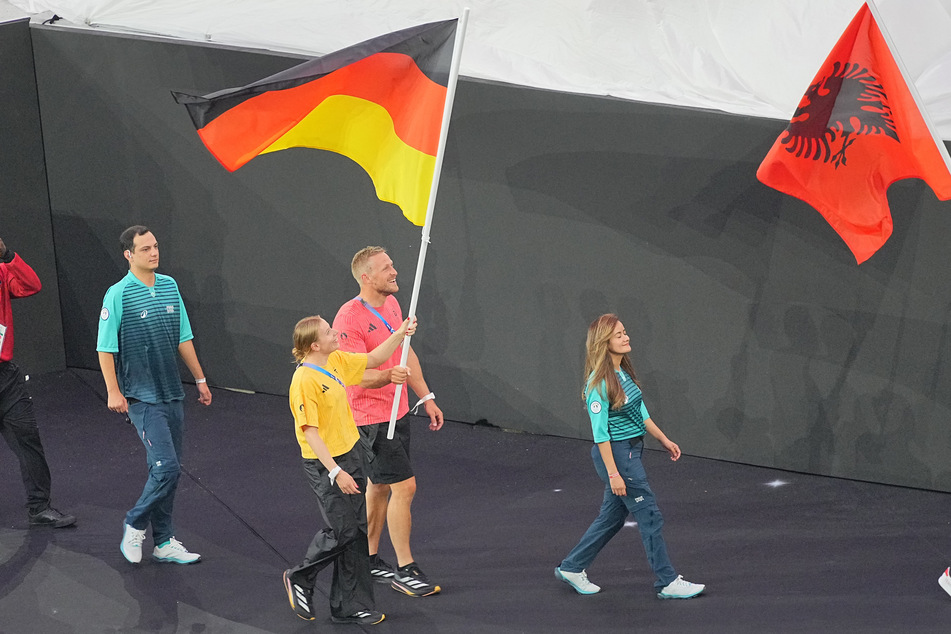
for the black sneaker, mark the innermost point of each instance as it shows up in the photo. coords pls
(363, 617)
(380, 569)
(51, 517)
(409, 579)
(300, 597)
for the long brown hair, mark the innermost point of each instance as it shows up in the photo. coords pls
(597, 361)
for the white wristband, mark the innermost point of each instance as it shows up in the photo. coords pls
(201, 381)
(428, 397)
(333, 474)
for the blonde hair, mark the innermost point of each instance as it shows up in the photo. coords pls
(597, 361)
(306, 332)
(361, 261)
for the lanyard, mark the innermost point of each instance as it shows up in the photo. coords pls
(320, 369)
(375, 312)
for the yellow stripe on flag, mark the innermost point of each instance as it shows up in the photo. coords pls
(363, 131)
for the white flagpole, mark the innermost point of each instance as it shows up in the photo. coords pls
(909, 81)
(437, 169)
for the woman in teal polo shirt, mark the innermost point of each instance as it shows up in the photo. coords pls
(619, 420)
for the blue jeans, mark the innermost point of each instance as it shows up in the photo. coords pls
(639, 502)
(160, 428)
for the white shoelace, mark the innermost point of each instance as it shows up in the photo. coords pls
(136, 538)
(174, 544)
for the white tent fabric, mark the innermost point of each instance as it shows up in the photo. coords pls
(748, 57)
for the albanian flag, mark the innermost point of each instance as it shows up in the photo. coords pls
(379, 103)
(856, 131)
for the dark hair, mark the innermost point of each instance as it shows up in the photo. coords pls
(127, 239)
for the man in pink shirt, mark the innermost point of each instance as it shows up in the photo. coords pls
(17, 421)
(364, 323)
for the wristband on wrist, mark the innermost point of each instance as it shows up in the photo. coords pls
(333, 474)
(615, 475)
(428, 397)
(201, 380)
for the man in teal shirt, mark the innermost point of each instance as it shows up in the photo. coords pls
(143, 328)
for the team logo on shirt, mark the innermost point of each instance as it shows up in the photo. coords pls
(371, 328)
(325, 388)
(169, 309)
(104, 315)
(595, 407)
(302, 407)
(342, 335)
(144, 314)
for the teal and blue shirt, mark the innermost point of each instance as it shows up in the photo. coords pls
(617, 424)
(143, 327)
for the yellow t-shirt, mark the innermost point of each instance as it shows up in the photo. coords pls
(319, 401)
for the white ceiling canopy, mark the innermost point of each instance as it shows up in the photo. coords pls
(748, 57)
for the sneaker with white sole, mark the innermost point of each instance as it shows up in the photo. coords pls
(578, 581)
(945, 581)
(173, 552)
(680, 588)
(131, 544)
(410, 580)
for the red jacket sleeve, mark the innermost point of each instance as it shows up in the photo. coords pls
(21, 279)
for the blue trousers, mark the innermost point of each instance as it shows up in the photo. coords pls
(639, 502)
(160, 427)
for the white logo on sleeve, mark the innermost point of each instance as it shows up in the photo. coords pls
(145, 313)
(104, 315)
(595, 407)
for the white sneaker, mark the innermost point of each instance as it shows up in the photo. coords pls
(578, 581)
(945, 581)
(680, 588)
(172, 551)
(131, 544)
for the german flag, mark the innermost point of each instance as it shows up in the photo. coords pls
(379, 103)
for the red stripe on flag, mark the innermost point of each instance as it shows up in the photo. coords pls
(391, 80)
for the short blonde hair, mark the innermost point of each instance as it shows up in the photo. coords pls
(306, 332)
(361, 261)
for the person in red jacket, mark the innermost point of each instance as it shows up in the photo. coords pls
(17, 421)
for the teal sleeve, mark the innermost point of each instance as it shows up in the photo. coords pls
(597, 405)
(185, 327)
(644, 413)
(109, 319)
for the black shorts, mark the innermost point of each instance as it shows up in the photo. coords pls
(387, 460)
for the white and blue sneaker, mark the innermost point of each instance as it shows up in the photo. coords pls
(131, 544)
(578, 581)
(173, 552)
(680, 588)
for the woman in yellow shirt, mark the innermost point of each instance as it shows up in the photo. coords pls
(334, 464)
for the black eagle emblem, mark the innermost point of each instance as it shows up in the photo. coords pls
(836, 110)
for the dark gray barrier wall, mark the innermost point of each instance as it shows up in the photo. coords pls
(25, 224)
(757, 337)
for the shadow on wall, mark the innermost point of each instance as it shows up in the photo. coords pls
(88, 261)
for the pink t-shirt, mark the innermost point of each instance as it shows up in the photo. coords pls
(362, 331)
